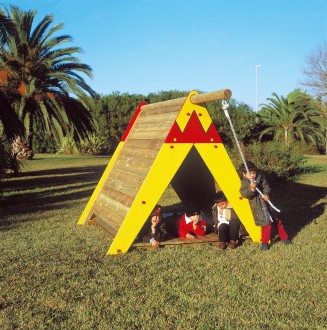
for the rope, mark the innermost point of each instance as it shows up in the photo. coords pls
(225, 105)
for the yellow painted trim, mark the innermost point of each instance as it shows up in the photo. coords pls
(98, 188)
(221, 167)
(186, 112)
(165, 166)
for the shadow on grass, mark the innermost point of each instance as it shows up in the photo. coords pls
(46, 190)
(300, 204)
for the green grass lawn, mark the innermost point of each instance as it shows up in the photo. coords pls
(56, 275)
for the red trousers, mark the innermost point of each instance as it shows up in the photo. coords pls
(266, 230)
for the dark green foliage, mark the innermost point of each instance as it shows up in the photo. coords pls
(243, 118)
(113, 114)
(273, 158)
(165, 96)
(307, 148)
(44, 142)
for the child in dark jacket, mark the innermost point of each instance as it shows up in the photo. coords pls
(262, 213)
(158, 231)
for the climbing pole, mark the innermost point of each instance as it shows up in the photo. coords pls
(225, 105)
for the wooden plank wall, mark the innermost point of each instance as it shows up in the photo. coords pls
(134, 161)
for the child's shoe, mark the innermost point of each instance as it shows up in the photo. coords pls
(222, 246)
(287, 241)
(264, 247)
(232, 245)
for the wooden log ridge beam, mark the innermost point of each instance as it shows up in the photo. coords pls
(195, 99)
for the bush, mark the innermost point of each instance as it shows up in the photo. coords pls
(94, 145)
(68, 147)
(272, 158)
(44, 143)
(307, 148)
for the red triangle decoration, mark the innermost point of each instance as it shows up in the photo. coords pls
(193, 132)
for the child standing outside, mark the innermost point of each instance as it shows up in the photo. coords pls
(225, 222)
(262, 213)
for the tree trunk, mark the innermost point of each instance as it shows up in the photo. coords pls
(286, 139)
(21, 149)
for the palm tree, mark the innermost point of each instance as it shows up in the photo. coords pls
(292, 118)
(10, 124)
(43, 81)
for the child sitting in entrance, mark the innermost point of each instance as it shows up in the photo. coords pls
(191, 223)
(226, 222)
(158, 230)
(262, 212)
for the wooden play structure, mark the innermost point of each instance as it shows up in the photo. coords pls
(172, 142)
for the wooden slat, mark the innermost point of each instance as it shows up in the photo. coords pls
(118, 195)
(98, 220)
(151, 117)
(138, 160)
(112, 219)
(147, 155)
(132, 170)
(122, 187)
(180, 241)
(149, 135)
(124, 180)
(149, 110)
(129, 164)
(131, 179)
(155, 126)
(106, 202)
(155, 120)
(150, 145)
(129, 170)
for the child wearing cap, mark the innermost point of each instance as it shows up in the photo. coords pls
(158, 230)
(226, 223)
(191, 223)
(262, 212)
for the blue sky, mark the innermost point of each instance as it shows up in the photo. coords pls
(144, 46)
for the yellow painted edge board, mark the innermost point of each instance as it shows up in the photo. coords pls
(221, 167)
(165, 166)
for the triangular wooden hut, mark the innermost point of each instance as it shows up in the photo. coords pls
(167, 142)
